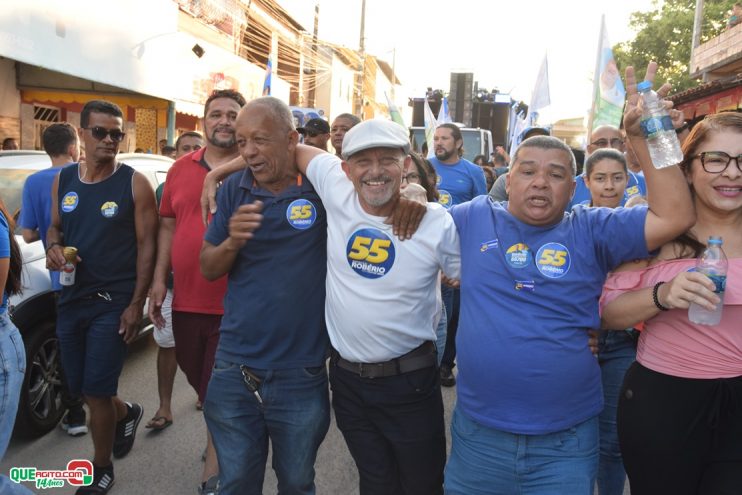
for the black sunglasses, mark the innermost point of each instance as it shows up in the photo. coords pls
(100, 133)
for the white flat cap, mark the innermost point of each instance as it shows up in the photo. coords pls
(375, 133)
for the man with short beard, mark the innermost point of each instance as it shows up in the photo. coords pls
(460, 181)
(197, 304)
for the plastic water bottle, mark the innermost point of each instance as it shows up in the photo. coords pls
(712, 263)
(664, 147)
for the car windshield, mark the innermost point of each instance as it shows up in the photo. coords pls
(11, 188)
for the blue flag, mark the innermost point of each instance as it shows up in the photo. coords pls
(267, 82)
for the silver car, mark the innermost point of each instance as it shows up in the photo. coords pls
(34, 311)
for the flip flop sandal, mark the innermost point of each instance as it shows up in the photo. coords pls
(159, 423)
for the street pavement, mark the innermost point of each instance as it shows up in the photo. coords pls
(169, 462)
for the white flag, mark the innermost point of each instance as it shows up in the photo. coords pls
(540, 97)
(444, 116)
(430, 124)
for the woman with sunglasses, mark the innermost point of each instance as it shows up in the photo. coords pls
(680, 408)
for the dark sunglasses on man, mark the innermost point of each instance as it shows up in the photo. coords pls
(100, 133)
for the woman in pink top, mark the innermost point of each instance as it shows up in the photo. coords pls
(680, 410)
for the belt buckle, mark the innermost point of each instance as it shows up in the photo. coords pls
(366, 370)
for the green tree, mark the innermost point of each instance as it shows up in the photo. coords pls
(665, 33)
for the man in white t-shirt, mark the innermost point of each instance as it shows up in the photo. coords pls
(381, 309)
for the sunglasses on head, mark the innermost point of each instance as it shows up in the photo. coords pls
(100, 133)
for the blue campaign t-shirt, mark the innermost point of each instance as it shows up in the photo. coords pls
(528, 296)
(36, 208)
(459, 182)
(4, 253)
(274, 308)
(636, 186)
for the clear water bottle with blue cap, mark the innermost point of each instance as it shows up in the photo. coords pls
(714, 264)
(656, 124)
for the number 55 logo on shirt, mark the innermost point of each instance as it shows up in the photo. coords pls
(301, 214)
(370, 253)
(553, 260)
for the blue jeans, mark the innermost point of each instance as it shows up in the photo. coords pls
(295, 416)
(616, 352)
(487, 461)
(451, 300)
(440, 334)
(12, 370)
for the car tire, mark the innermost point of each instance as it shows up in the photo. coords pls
(40, 407)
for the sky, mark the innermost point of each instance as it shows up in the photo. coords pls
(502, 42)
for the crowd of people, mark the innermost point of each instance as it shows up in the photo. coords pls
(285, 280)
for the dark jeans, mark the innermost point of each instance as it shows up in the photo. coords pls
(616, 352)
(451, 298)
(394, 430)
(681, 436)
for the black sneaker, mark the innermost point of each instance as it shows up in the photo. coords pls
(74, 422)
(447, 378)
(126, 430)
(102, 481)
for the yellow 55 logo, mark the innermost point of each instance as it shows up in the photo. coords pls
(371, 250)
(370, 253)
(300, 212)
(69, 201)
(553, 257)
(553, 260)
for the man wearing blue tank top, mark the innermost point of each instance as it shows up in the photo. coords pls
(107, 211)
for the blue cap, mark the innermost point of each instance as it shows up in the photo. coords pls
(644, 86)
(715, 240)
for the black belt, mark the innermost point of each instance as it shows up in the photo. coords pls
(418, 358)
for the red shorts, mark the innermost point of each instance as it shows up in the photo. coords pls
(196, 337)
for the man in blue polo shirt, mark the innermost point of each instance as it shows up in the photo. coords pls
(62, 145)
(528, 387)
(269, 380)
(459, 180)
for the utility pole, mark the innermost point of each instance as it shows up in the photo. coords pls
(358, 110)
(697, 24)
(313, 80)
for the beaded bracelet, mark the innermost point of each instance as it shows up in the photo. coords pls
(656, 299)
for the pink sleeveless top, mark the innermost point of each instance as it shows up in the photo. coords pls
(672, 344)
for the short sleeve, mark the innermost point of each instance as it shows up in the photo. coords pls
(218, 229)
(166, 201)
(449, 248)
(27, 219)
(608, 226)
(323, 172)
(4, 237)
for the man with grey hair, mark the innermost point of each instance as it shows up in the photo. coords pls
(381, 312)
(528, 386)
(269, 380)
